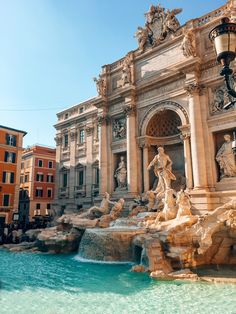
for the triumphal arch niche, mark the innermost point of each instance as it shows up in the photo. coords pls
(162, 126)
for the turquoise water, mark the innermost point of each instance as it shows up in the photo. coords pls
(54, 284)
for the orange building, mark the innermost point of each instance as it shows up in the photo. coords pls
(37, 182)
(10, 159)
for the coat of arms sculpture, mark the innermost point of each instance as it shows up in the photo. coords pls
(160, 24)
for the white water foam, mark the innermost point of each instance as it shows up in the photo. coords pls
(86, 260)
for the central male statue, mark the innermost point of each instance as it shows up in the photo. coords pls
(163, 170)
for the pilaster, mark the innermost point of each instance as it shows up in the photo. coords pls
(197, 142)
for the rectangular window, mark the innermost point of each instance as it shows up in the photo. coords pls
(26, 178)
(81, 177)
(6, 200)
(81, 110)
(11, 140)
(8, 177)
(66, 142)
(39, 177)
(40, 163)
(50, 164)
(50, 178)
(39, 192)
(48, 206)
(38, 206)
(10, 157)
(49, 192)
(81, 136)
(64, 180)
(97, 176)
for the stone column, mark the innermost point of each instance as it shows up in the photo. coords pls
(88, 180)
(132, 164)
(145, 165)
(185, 136)
(103, 146)
(72, 175)
(197, 141)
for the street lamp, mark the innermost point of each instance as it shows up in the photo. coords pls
(224, 39)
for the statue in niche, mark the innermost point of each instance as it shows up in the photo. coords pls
(119, 129)
(163, 170)
(226, 159)
(121, 175)
(101, 85)
(188, 45)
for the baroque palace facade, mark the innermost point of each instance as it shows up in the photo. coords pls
(166, 93)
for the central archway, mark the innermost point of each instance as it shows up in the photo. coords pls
(162, 128)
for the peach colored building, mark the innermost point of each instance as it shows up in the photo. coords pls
(37, 181)
(10, 160)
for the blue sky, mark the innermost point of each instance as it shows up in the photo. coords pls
(51, 50)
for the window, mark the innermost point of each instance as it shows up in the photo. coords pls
(11, 139)
(81, 110)
(39, 177)
(48, 206)
(96, 175)
(22, 165)
(21, 179)
(66, 115)
(38, 206)
(49, 192)
(50, 178)
(81, 136)
(39, 192)
(66, 142)
(8, 177)
(50, 164)
(64, 180)
(26, 178)
(6, 200)
(10, 157)
(40, 163)
(81, 177)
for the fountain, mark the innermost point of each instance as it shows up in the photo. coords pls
(160, 234)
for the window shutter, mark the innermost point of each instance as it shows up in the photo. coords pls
(6, 156)
(7, 139)
(4, 177)
(13, 157)
(14, 140)
(12, 177)
(52, 179)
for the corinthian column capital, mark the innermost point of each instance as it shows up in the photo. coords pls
(193, 88)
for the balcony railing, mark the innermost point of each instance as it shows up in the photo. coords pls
(5, 209)
(80, 190)
(64, 192)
